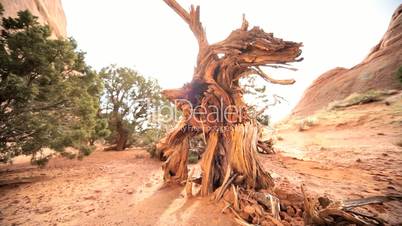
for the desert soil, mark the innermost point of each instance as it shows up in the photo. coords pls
(338, 158)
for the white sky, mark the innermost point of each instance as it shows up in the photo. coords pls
(148, 36)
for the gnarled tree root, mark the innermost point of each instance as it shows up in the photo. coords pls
(323, 211)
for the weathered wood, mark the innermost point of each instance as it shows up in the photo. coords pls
(323, 211)
(213, 106)
(216, 84)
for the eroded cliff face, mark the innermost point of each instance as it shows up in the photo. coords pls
(49, 12)
(376, 71)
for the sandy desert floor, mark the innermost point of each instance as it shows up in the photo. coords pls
(341, 160)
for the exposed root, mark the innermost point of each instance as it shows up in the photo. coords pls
(323, 211)
(253, 208)
(266, 146)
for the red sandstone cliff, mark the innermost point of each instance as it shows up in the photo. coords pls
(49, 12)
(376, 71)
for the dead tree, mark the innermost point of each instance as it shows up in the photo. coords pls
(212, 104)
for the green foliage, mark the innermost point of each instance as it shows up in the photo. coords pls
(193, 157)
(153, 152)
(41, 162)
(147, 137)
(399, 74)
(101, 130)
(360, 98)
(85, 150)
(263, 119)
(68, 155)
(307, 123)
(128, 101)
(48, 96)
(258, 100)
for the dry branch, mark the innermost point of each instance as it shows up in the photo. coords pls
(323, 211)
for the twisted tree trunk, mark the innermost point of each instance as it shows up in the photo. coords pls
(212, 104)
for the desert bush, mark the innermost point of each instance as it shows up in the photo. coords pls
(399, 74)
(128, 101)
(193, 157)
(360, 98)
(307, 123)
(68, 155)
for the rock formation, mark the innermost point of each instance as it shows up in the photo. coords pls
(376, 71)
(49, 12)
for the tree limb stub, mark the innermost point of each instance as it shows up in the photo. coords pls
(192, 18)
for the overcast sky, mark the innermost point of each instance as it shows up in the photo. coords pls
(148, 36)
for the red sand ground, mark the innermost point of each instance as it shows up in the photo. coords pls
(351, 154)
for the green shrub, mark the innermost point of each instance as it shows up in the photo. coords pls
(151, 149)
(84, 151)
(193, 157)
(399, 74)
(360, 98)
(307, 123)
(40, 161)
(68, 155)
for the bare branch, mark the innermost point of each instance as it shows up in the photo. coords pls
(274, 81)
(244, 25)
(192, 19)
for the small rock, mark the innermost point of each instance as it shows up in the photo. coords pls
(91, 197)
(282, 207)
(358, 160)
(244, 215)
(290, 211)
(256, 220)
(148, 185)
(391, 188)
(88, 210)
(44, 210)
(258, 209)
(299, 212)
(265, 223)
(249, 210)
(282, 215)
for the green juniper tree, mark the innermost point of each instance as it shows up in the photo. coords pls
(129, 99)
(49, 97)
(100, 131)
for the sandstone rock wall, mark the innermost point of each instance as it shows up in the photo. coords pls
(376, 71)
(50, 12)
